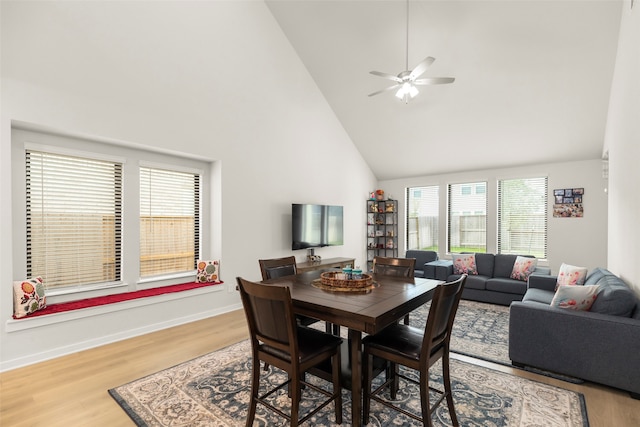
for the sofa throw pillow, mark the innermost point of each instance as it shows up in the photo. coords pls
(523, 267)
(574, 297)
(28, 297)
(571, 275)
(208, 272)
(464, 264)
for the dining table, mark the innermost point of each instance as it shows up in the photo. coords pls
(370, 311)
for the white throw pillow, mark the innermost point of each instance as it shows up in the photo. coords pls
(575, 297)
(571, 275)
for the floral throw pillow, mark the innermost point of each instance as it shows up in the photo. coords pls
(208, 272)
(574, 297)
(523, 267)
(571, 275)
(28, 297)
(464, 264)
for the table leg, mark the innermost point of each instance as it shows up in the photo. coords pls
(355, 340)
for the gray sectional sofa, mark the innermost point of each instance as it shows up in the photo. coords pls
(422, 258)
(601, 345)
(493, 284)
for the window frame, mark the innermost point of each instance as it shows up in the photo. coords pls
(25, 136)
(458, 187)
(198, 213)
(435, 229)
(545, 214)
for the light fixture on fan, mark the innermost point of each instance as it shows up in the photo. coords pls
(407, 80)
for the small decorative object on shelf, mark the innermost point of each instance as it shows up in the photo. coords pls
(382, 229)
(380, 194)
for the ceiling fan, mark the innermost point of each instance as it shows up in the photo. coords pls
(407, 80)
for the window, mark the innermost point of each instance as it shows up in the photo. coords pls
(103, 219)
(422, 218)
(467, 232)
(522, 216)
(74, 219)
(169, 221)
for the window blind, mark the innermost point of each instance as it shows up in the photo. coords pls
(423, 217)
(169, 221)
(74, 219)
(522, 216)
(467, 211)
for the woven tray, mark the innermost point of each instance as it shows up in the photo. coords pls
(338, 280)
(317, 283)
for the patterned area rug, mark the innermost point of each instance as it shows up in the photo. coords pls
(213, 390)
(480, 330)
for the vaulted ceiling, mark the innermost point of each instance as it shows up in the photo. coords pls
(532, 78)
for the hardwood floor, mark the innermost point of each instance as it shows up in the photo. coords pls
(72, 390)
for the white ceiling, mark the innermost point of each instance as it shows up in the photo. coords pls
(532, 78)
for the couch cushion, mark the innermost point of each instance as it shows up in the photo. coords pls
(473, 282)
(485, 264)
(573, 297)
(509, 286)
(538, 295)
(614, 297)
(595, 275)
(503, 265)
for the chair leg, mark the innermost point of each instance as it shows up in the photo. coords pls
(255, 385)
(336, 387)
(446, 379)
(391, 373)
(296, 393)
(367, 370)
(424, 398)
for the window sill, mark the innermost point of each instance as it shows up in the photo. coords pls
(68, 311)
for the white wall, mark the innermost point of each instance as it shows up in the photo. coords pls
(576, 241)
(216, 80)
(623, 144)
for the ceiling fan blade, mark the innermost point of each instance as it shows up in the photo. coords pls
(434, 81)
(421, 67)
(385, 89)
(386, 76)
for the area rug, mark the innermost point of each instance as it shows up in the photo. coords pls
(213, 390)
(480, 330)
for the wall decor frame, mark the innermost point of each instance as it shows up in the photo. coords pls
(568, 203)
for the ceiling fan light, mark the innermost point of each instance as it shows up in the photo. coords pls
(413, 91)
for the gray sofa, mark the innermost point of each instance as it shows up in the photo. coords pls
(493, 284)
(601, 345)
(422, 258)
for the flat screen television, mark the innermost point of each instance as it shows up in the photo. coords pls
(315, 226)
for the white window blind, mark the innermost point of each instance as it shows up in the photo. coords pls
(522, 216)
(423, 218)
(169, 221)
(467, 223)
(74, 218)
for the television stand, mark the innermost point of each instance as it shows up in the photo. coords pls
(325, 263)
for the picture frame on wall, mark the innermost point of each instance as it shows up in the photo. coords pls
(568, 203)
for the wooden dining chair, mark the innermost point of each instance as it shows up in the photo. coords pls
(400, 267)
(279, 267)
(277, 340)
(416, 349)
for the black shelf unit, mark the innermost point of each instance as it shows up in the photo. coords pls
(382, 229)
